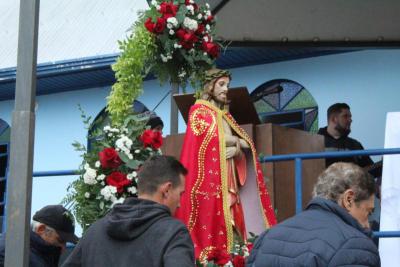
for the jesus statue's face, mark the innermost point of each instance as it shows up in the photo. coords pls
(220, 91)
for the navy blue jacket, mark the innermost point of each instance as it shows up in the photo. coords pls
(323, 235)
(41, 254)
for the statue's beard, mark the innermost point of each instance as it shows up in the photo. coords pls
(342, 131)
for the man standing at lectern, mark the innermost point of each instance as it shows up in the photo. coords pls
(337, 135)
(224, 182)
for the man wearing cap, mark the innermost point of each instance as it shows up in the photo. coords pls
(52, 227)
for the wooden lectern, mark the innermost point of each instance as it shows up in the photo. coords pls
(270, 140)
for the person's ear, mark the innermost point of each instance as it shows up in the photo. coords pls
(40, 229)
(165, 189)
(348, 199)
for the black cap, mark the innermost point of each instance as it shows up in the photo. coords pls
(60, 219)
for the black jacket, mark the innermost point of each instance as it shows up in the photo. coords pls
(325, 235)
(41, 254)
(344, 143)
(137, 233)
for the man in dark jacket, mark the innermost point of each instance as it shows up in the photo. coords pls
(141, 231)
(337, 135)
(332, 231)
(52, 227)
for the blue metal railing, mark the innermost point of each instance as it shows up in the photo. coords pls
(298, 158)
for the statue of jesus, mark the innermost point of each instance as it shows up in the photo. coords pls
(225, 195)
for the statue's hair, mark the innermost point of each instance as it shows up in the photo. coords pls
(210, 78)
(339, 177)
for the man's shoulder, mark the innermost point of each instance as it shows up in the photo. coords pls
(170, 222)
(355, 144)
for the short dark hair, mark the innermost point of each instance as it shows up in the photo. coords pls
(158, 170)
(341, 176)
(336, 108)
(155, 122)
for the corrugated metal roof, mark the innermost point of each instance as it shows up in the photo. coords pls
(70, 29)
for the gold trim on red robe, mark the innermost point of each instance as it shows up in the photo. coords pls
(204, 204)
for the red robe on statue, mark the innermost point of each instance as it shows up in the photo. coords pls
(205, 207)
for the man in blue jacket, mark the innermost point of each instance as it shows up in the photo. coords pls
(332, 231)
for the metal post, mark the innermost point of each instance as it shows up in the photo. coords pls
(174, 109)
(298, 185)
(19, 186)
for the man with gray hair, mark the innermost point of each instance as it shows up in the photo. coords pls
(52, 227)
(332, 231)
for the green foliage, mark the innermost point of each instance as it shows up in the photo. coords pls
(86, 200)
(132, 66)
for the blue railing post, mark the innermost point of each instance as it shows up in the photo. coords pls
(298, 184)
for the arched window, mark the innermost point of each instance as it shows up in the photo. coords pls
(286, 103)
(102, 119)
(4, 152)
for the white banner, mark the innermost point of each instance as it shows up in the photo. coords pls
(389, 248)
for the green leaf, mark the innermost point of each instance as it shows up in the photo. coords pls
(180, 15)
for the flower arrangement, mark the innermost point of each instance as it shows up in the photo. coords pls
(174, 40)
(184, 35)
(108, 173)
(237, 257)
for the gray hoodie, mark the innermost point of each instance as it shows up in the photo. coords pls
(136, 233)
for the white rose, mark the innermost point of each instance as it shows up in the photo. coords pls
(164, 58)
(132, 190)
(199, 16)
(108, 192)
(207, 5)
(97, 164)
(190, 24)
(89, 177)
(87, 166)
(205, 38)
(134, 174)
(208, 27)
(154, 2)
(137, 151)
(129, 176)
(171, 32)
(87, 194)
(101, 177)
(173, 21)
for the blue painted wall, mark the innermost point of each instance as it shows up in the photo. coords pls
(368, 81)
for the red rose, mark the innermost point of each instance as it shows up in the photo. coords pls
(195, 6)
(187, 39)
(160, 25)
(250, 246)
(238, 261)
(157, 140)
(152, 139)
(149, 25)
(168, 8)
(211, 48)
(180, 33)
(220, 257)
(200, 29)
(109, 158)
(119, 180)
(209, 18)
